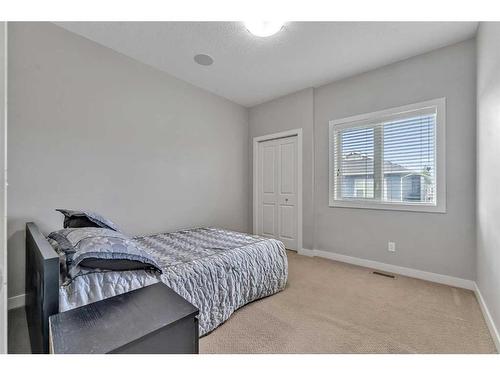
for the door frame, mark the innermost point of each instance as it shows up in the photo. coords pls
(3, 194)
(270, 137)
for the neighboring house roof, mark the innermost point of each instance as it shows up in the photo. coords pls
(355, 164)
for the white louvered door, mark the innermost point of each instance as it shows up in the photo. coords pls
(277, 190)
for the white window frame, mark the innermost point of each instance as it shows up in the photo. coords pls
(387, 115)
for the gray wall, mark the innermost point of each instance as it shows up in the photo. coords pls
(488, 166)
(95, 129)
(293, 111)
(441, 243)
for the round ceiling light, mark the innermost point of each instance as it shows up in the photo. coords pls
(264, 28)
(203, 59)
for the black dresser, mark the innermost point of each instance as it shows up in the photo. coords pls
(150, 320)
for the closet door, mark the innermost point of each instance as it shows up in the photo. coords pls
(277, 190)
(287, 192)
(268, 189)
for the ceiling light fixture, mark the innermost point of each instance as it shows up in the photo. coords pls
(264, 28)
(203, 59)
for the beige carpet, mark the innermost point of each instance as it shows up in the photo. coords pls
(333, 307)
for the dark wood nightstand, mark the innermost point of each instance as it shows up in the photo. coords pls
(153, 320)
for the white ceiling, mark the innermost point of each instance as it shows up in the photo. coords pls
(250, 70)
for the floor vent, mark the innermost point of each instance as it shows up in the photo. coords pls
(384, 274)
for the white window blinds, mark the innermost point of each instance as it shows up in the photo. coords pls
(356, 165)
(389, 159)
(409, 160)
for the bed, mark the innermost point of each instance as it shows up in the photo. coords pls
(217, 270)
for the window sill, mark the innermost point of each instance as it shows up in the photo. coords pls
(440, 208)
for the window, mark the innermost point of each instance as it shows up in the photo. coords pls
(391, 159)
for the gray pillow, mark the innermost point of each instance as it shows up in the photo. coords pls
(83, 219)
(102, 248)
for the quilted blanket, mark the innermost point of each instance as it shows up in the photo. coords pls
(216, 270)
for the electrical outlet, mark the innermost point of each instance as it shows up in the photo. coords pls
(391, 246)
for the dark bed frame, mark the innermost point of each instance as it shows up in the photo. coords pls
(42, 287)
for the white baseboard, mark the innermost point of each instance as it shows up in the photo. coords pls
(16, 301)
(487, 317)
(306, 252)
(410, 272)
